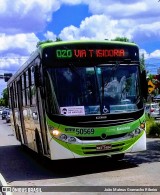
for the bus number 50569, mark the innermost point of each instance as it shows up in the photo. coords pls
(84, 131)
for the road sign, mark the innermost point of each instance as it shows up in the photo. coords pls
(151, 86)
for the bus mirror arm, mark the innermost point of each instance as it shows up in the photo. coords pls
(38, 80)
(144, 84)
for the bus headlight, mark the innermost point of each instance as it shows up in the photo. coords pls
(131, 135)
(63, 137)
(71, 139)
(67, 138)
(137, 131)
(55, 132)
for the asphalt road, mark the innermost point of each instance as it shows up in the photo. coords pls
(21, 167)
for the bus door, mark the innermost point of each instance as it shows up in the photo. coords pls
(43, 128)
(20, 108)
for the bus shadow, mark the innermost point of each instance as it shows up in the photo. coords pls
(151, 155)
(76, 167)
(18, 164)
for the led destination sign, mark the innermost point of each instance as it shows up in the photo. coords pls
(82, 53)
(91, 53)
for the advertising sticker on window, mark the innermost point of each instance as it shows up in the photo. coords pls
(72, 111)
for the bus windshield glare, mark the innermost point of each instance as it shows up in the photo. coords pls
(101, 89)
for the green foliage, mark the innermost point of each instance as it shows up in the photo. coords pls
(142, 62)
(123, 39)
(150, 76)
(41, 42)
(48, 41)
(2, 103)
(58, 39)
(4, 99)
(152, 128)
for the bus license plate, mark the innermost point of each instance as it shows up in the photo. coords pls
(104, 147)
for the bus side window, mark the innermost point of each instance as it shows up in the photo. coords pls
(27, 88)
(11, 96)
(23, 90)
(15, 94)
(32, 87)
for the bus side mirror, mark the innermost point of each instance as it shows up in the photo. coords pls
(144, 84)
(7, 76)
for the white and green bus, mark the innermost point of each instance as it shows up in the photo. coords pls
(80, 99)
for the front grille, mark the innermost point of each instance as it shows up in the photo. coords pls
(105, 123)
(100, 138)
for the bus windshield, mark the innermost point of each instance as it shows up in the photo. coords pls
(101, 89)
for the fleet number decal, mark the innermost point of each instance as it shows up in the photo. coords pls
(80, 131)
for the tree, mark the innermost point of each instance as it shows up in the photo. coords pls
(41, 42)
(142, 62)
(2, 102)
(123, 39)
(58, 39)
(4, 99)
(150, 76)
(48, 41)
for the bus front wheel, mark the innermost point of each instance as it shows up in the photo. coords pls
(39, 145)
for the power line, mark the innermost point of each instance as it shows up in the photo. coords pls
(6, 58)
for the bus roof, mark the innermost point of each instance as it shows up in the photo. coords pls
(44, 45)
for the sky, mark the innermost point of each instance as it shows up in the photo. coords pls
(23, 23)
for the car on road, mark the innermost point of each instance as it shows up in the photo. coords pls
(156, 98)
(1, 111)
(8, 119)
(4, 113)
(153, 110)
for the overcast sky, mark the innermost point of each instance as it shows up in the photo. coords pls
(25, 22)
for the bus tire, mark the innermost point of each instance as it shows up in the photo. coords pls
(39, 145)
(16, 132)
(19, 135)
(118, 156)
